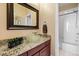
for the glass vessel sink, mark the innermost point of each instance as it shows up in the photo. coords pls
(33, 38)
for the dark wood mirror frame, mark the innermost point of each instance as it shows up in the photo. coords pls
(10, 17)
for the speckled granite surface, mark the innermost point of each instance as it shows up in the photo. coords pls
(25, 46)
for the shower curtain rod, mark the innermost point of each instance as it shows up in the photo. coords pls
(68, 13)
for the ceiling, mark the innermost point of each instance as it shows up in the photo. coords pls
(64, 6)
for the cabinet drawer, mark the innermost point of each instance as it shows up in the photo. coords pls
(38, 48)
(33, 51)
(37, 54)
(45, 51)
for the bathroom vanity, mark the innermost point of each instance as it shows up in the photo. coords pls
(38, 47)
(40, 50)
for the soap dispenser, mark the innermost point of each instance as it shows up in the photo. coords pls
(45, 28)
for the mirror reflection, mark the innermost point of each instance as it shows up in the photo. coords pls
(24, 16)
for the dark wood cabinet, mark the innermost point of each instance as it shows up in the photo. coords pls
(45, 51)
(34, 51)
(41, 50)
(37, 54)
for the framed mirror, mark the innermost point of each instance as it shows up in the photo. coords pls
(22, 16)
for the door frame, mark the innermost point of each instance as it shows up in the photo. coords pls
(57, 30)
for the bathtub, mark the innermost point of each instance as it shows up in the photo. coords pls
(71, 48)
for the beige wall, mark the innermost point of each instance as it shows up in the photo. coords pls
(66, 6)
(46, 13)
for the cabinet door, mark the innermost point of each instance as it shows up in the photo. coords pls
(45, 51)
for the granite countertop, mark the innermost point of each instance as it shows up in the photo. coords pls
(25, 46)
